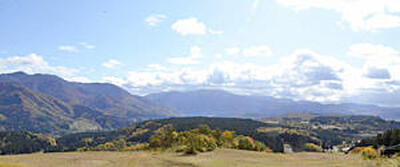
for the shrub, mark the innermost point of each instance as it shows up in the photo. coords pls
(245, 143)
(268, 150)
(200, 143)
(311, 147)
(227, 138)
(164, 137)
(356, 150)
(258, 146)
(136, 147)
(369, 153)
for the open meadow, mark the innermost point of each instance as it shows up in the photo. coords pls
(220, 157)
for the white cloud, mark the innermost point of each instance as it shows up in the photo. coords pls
(377, 73)
(155, 19)
(114, 80)
(87, 46)
(33, 63)
(182, 60)
(232, 51)
(362, 15)
(215, 32)
(68, 48)
(378, 57)
(156, 67)
(190, 26)
(304, 75)
(365, 50)
(195, 54)
(257, 51)
(79, 79)
(111, 63)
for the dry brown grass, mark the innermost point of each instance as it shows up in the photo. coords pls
(220, 157)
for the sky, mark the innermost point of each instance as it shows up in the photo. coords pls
(329, 51)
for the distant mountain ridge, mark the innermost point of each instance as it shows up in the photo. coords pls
(224, 104)
(49, 104)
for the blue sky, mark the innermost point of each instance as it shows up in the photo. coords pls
(327, 51)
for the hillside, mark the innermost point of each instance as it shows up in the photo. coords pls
(50, 105)
(225, 104)
(23, 109)
(106, 98)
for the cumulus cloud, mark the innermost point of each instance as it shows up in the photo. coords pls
(232, 51)
(87, 46)
(218, 77)
(68, 48)
(114, 80)
(305, 68)
(215, 32)
(303, 75)
(257, 51)
(155, 19)
(362, 15)
(190, 26)
(377, 57)
(377, 73)
(111, 63)
(33, 63)
(195, 54)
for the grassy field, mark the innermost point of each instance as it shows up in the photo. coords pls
(222, 157)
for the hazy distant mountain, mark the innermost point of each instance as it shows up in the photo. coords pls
(222, 103)
(51, 105)
(107, 98)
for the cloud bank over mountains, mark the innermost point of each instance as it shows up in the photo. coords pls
(303, 75)
(247, 48)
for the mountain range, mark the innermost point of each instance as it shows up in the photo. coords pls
(49, 104)
(224, 104)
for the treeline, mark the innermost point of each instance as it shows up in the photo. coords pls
(201, 139)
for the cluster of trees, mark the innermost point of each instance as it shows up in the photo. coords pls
(387, 142)
(201, 139)
(25, 142)
(388, 138)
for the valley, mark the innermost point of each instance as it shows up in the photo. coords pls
(48, 120)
